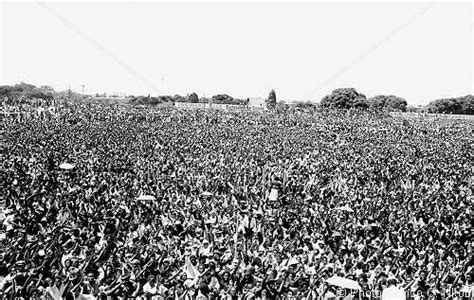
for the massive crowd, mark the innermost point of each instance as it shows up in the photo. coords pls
(174, 204)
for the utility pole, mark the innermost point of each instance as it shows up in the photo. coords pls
(69, 93)
(82, 86)
(163, 84)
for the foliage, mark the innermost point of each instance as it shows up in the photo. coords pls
(26, 90)
(153, 100)
(461, 105)
(388, 102)
(345, 98)
(179, 98)
(6, 91)
(271, 101)
(226, 99)
(222, 99)
(193, 98)
(305, 104)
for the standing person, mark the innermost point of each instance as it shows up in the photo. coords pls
(392, 292)
(150, 289)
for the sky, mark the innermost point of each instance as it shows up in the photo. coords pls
(420, 51)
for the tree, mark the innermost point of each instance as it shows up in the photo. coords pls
(345, 98)
(28, 91)
(178, 98)
(222, 99)
(460, 105)
(271, 101)
(6, 91)
(467, 104)
(390, 102)
(23, 87)
(305, 104)
(193, 98)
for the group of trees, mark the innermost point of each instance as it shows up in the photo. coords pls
(190, 98)
(149, 100)
(27, 91)
(461, 105)
(342, 98)
(226, 99)
(345, 98)
(390, 102)
(350, 98)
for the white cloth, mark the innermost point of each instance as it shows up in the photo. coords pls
(147, 288)
(393, 293)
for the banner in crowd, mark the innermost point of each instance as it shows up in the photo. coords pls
(427, 115)
(229, 107)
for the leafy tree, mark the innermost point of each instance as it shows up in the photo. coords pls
(193, 98)
(169, 98)
(271, 101)
(390, 102)
(6, 91)
(222, 99)
(345, 98)
(460, 105)
(39, 95)
(467, 104)
(23, 87)
(178, 98)
(26, 90)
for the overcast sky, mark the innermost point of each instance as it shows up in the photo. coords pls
(418, 50)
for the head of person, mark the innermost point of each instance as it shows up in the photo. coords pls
(392, 282)
(179, 289)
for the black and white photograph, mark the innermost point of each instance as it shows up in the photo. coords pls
(202, 150)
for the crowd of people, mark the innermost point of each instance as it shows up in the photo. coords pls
(127, 202)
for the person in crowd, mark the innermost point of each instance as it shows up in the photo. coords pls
(242, 205)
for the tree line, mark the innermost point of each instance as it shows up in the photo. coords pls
(346, 98)
(190, 98)
(25, 90)
(342, 98)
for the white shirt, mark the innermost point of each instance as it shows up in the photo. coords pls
(393, 293)
(148, 289)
